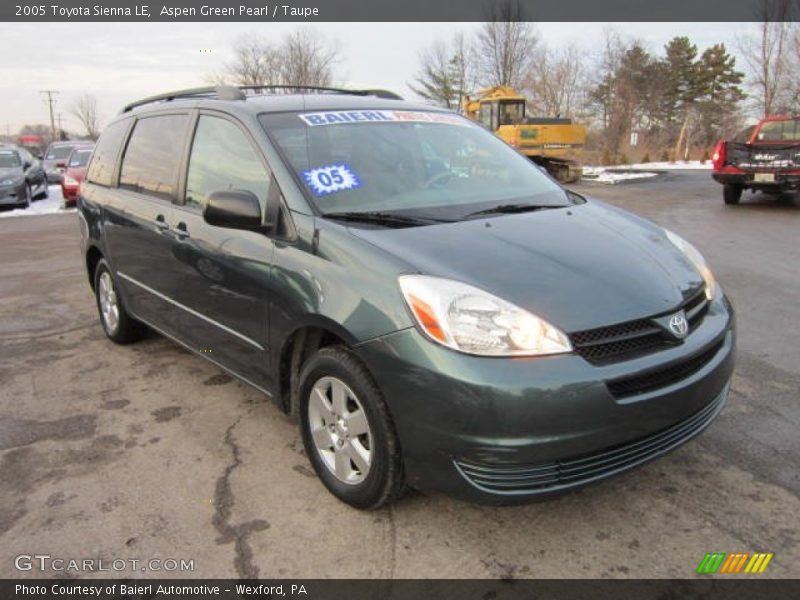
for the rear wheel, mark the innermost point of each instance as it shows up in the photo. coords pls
(119, 326)
(731, 193)
(347, 431)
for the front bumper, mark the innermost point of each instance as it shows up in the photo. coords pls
(11, 196)
(500, 431)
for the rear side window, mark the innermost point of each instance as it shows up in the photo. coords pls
(743, 137)
(101, 168)
(779, 131)
(223, 159)
(150, 164)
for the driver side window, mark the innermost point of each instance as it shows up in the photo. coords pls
(223, 158)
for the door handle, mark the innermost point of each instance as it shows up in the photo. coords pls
(181, 231)
(161, 223)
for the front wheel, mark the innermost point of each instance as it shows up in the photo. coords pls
(26, 202)
(347, 431)
(731, 194)
(120, 327)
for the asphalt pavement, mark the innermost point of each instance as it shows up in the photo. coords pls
(147, 452)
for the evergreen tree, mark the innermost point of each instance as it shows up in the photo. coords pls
(682, 84)
(721, 92)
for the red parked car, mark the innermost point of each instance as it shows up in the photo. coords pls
(74, 173)
(765, 157)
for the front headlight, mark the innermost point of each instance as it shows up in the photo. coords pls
(471, 320)
(694, 256)
(10, 181)
(69, 181)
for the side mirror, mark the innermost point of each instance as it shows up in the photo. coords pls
(27, 165)
(234, 209)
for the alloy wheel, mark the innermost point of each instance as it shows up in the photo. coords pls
(340, 430)
(109, 306)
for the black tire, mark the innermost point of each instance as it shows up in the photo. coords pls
(45, 191)
(732, 193)
(385, 479)
(26, 203)
(127, 329)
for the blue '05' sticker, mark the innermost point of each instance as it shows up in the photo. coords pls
(330, 179)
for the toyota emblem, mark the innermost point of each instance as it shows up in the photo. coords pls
(679, 326)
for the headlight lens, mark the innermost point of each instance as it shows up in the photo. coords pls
(471, 320)
(69, 181)
(694, 256)
(9, 181)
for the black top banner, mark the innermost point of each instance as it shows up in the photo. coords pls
(399, 10)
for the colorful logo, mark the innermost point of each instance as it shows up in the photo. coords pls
(734, 563)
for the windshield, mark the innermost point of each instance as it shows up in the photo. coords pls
(79, 158)
(779, 131)
(56, 152)
(9, 159)
(511, 112)
(432, 163)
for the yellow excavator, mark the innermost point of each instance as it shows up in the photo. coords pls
(554, 143)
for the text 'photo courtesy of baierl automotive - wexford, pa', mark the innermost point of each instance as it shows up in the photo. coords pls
(452, 299)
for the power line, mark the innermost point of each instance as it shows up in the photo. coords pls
(50, 102)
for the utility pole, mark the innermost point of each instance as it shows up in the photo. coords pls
(60, 128)
(50, 102)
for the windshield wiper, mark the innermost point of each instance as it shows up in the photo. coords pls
(502, 209)
(382, 218)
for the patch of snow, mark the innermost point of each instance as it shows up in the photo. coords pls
(53, 204)
(602, 175)
(670, 166)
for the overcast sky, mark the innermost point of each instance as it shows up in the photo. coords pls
(120, 62)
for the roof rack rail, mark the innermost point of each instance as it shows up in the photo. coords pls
(316, 88)
(227, 92)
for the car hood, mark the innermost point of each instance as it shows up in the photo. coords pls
(580, 267)
(8, 172)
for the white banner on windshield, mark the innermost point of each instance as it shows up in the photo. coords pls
(380, 116)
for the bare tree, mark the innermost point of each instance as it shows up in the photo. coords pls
(446, 72)
(792, 92)
(765, 54)
(308, 58)
(505, 45)
(303, 57)
(462, 65)
(556, 82)
(255, 62)
(84, 108)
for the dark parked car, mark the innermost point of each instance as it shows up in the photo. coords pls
(55, 159)
(21, 177)
(435, 311)
(74, 173)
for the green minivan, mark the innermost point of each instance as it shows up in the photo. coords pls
(435, 311)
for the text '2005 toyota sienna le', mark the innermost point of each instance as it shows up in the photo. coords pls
(435, 311)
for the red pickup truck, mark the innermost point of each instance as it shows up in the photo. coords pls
(764, 157)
